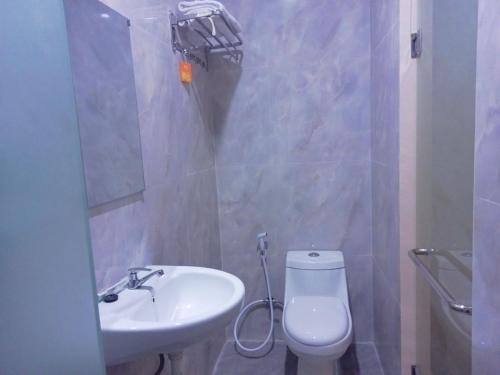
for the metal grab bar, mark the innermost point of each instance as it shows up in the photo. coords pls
(434, 283)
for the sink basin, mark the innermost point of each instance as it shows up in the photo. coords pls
(190, 304)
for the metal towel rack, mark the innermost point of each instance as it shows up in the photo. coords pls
(441, 291)
(194, 40)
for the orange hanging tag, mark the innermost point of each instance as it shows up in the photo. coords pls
(186, 71)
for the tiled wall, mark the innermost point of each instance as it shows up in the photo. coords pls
(175, 220)
(486, 317)
(292, 144)
(385, 181)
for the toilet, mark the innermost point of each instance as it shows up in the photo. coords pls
(316, 318)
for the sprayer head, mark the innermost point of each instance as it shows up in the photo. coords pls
(262, 243)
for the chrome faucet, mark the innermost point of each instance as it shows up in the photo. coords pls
(134, 283)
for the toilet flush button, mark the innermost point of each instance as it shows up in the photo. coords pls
(313, 254)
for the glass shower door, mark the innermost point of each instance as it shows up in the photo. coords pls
(446, 72)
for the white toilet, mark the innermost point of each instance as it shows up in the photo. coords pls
(316, 319)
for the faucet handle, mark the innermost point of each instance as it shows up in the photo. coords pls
(133, 280)
(137, 269)
(132, 274)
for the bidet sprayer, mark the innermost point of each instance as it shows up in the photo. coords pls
(262, 243)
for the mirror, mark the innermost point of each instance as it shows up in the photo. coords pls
(103, 78)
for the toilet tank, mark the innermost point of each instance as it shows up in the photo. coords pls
(315, 273)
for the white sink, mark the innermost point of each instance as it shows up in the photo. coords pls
(190, 304)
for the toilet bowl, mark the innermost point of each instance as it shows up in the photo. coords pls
(316, 319)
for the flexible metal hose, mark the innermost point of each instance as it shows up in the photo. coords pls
(161, 365)
(252, 304)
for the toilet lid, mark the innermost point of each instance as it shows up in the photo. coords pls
(316, 320)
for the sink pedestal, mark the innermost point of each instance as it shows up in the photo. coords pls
(175, 363)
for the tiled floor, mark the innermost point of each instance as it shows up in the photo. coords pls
(360, 359)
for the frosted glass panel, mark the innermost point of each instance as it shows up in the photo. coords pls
(48, 313)
(445, 174)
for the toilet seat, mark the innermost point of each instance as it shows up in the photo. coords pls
(316, 320)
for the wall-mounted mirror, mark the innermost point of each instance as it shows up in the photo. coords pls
(103, 77)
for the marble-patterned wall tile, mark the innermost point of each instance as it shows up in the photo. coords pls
(385, 234)
(248, 268)
(385, 181)
(327, 207)
(247, 194)
(361, 298)
(321, 205)
(385, 100)
(487, 103)
(384, 20)
(485, 340)
(283, 34)
(292, 142)
(328, 116)
(202, 225)
(485, 320)
(249, 121)
(387, 321)
(298, 114)
(488, 176)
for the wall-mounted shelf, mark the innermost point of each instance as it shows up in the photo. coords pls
(193, 37)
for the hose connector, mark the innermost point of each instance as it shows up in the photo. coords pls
(262, 243)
